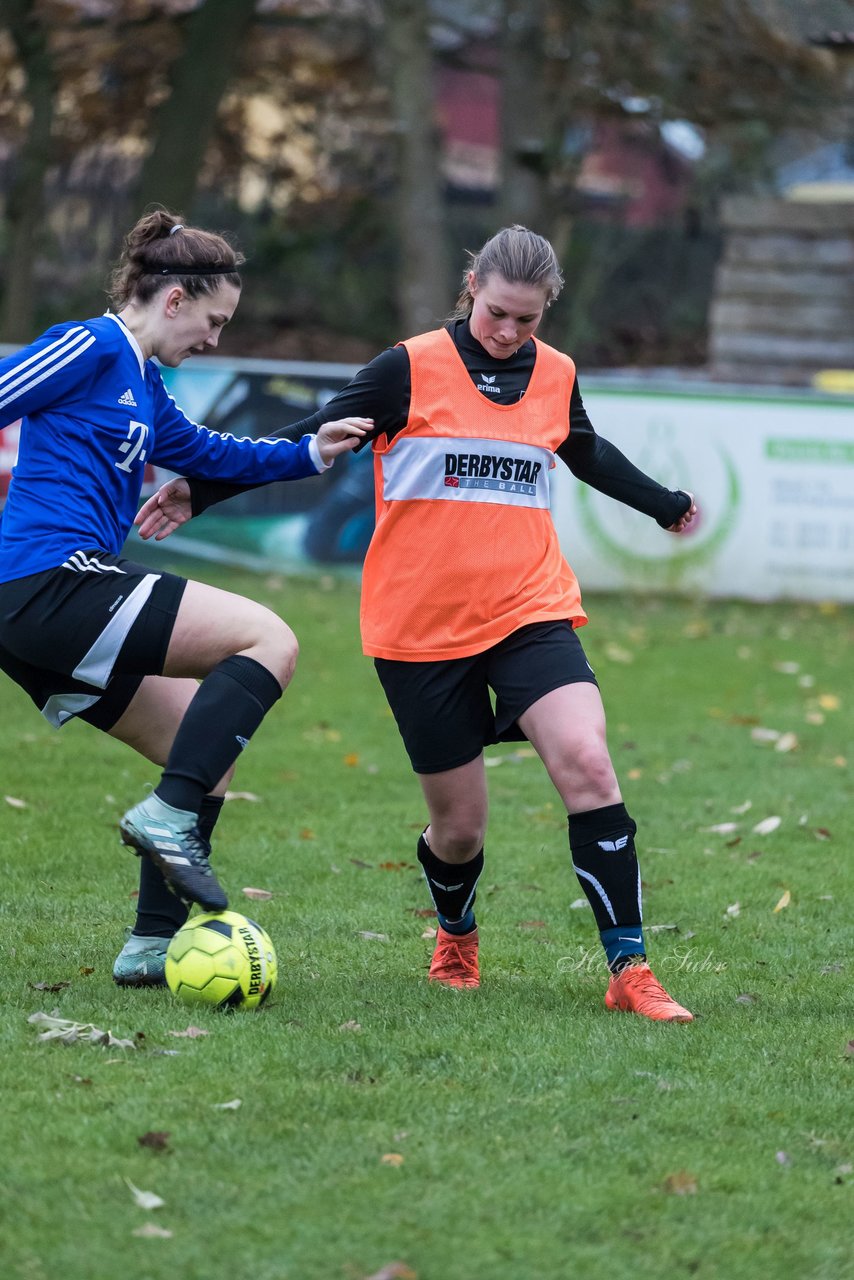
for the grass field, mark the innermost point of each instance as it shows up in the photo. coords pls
(512, 1133)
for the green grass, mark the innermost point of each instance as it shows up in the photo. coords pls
(540, 1135)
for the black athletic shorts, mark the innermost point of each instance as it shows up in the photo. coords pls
(80, 638)
(444, 711)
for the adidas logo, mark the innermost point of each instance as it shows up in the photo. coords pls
(127, 398)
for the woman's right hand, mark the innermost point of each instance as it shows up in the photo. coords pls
(165, 510)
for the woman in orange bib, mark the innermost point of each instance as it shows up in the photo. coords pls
(465, 590)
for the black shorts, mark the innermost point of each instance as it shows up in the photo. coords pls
(79, 639)
(444, 711)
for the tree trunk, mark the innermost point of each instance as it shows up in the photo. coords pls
(25, 203)
(422, 275)
(215, 32)
(525, 128)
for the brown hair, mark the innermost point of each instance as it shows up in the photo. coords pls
(519, 256)
(161, 251)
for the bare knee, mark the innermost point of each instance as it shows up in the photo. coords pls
(275, 646)
(587, 780)
(456, 838)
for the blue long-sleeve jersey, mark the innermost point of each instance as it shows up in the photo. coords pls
(93, 412)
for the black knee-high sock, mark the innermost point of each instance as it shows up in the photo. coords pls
(604, 859)
(230, 704)
(452, 887)
(159, 912)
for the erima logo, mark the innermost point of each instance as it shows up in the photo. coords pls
(115, 604)
(244, 742)
(127, 398)
(486, 385)
(611, 846)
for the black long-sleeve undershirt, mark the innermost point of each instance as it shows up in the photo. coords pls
(381, 391)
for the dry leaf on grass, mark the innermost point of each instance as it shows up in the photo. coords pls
(722, 828)
(394, 1271)
(578, 903)
(191, 1033)
(242, 795)
(352, 1025)
(784, 902)
(372, 937)
(68, 1032)
(155, 1140)
(788, 742)
(392, 1158)
(15, 803)
(767, 825)
(733, 910)
(429, 933)
(681, 1183)
(351, 759)
(145, 1199)
(234, 1105)
(151, 1229)
(49, 986)
(260, 895)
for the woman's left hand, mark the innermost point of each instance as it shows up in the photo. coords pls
(682, 523)
(339, 436)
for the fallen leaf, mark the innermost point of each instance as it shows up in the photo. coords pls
(357, 862)
(617, 654)
(578, 903)
(660, 928)
(746, 998)
(532, 924)
(784, 902)
(733, 910)
(396, 866)
(48, 986)
(372, 937)
(234, 1105)
(151, 1229)
(829, 702)
(787, 668)
(307, 834)
(191, 1033)
(742, 808)
(352, 1025)
(394, 1271)
(155, 1140)
(788, 742)
(634, 774)
(260, 895)
(392, 1158)
(849, 1049)
(242, 795)
(85, 970)
(351, 760)
(766, 826)
(429, 933)
(681, 1183)
(145, 1199)
(822, 833)
(422, 913)
(82, 1079)
(66, 1031)
(723, 828)
(15, 803)
(760, 734)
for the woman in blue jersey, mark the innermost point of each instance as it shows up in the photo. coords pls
(90, 634)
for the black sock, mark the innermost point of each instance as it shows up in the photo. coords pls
(604, 859)
(452, 887)
(230, 704)
(159, 912)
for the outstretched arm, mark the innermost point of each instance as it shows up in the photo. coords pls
(171, 506)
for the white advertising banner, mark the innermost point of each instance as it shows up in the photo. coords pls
(773, 479)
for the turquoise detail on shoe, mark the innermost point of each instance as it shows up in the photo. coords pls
(141, 963)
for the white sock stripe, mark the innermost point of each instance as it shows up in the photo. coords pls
(597, 886)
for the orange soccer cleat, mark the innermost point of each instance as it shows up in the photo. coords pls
(454, 962)
(636, 989)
